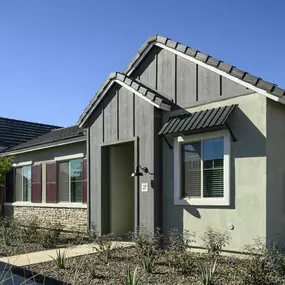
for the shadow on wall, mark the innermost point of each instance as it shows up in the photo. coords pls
(250, 142)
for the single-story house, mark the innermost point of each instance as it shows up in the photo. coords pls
(178, 140)
(203, 139)
(48, 179)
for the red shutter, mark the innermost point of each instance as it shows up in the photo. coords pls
(9, 185)
(37, 183)
(51, 182)
(84, 183)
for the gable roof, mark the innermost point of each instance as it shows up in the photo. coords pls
(53, 136)
(251, 81)
(134, 85)
(229, 71)
(14, 132)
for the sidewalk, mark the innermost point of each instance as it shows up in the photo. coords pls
(47, 255)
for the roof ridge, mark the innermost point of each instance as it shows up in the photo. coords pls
(30, 122)
(242, 75)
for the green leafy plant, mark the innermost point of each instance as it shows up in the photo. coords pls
(177, 251)
(50, 237)
(131, 278)
(60, 259)
(208, 272)
(147, 247)
(5, 167)
(103, 244)
(214, 241)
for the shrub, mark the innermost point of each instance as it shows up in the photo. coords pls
(132, 278)
(104, 247)
(208, 272)
(49, 238)
(177, 251)
(60, 260)
(259, 267)
(10, 230)
(147, 247)
(30, 230)
(215, 241)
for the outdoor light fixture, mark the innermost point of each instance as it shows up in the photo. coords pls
(138, 172)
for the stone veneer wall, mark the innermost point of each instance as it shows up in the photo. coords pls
(72, 219)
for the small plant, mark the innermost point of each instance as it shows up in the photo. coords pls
(103, 244)
(178, 252)
(30, 230)
(147, 247)
(49, 238)
(215, 241)
(208, 272)
(10, 230)
(261, 264)
(132, 278)
(92, 271)
(60, 259)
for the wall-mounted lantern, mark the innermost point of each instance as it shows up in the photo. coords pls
(138, 172)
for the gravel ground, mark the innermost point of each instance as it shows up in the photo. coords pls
(114, 273)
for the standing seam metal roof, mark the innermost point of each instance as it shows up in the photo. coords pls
(210, 118)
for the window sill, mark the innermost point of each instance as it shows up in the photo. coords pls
(202, 202)
(48, 205)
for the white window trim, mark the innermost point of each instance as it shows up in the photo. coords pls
(24, 163)
(47, 205)
(69, 157)
(178, 200)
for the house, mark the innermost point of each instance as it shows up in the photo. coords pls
(48, 179)
(14, 132)
(203, 139)
(178, 140)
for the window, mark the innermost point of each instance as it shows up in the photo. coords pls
(70, 181)
(23, 183)
(201, 171)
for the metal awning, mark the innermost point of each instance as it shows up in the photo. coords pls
(210, 118)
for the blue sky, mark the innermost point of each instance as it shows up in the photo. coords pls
(54, 55)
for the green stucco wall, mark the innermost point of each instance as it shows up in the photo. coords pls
(247, 212)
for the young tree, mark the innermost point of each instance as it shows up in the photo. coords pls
(5, 166)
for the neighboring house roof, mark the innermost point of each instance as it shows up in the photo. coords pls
(209, 61)
(14, 132)
(210, 118)
(134, 85)
(55, 136)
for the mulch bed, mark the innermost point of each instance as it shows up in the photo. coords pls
(114, 273)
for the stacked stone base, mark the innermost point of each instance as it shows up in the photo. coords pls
(71, 219)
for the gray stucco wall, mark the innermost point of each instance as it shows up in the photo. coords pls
(248, 179)
(50, 153)
(275, 195)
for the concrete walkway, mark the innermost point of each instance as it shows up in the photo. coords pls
(47, 255)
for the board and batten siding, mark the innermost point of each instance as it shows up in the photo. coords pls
(122, 116)
(183, 81)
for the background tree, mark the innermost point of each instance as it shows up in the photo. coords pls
(5, 167)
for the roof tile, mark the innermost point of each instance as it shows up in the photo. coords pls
(171, 43)
(181, 48)
(237, 73)
(265, 85)
(225, 67)
(191, 52)
(201, 56)
(250, 79)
